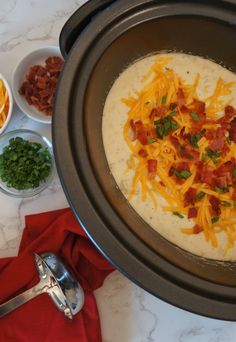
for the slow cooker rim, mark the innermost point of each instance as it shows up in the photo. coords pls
(59, 99)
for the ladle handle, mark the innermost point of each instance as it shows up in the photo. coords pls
(17, 301)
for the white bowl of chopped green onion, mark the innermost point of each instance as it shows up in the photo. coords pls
(26, 163)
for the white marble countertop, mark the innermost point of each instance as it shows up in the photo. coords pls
(128, 313)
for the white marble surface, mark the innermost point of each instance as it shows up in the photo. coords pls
(128, 313)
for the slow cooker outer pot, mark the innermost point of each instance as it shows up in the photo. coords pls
(128, 31)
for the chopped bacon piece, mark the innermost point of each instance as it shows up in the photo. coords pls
(189, 153)
(175, 142)
(152, 168)
(153, 114)
(197, 229)
(218, 140)
(215, 204)
(224, 121)
(225, 149)
(204, 173)
(180, 97)
(199, 106)
(142, 153)
(152, 133)
(232, 130)
(139, 131)
(209, 134)
(230, 111)
(190, 196)
(225, 171)
(161, 111)
(216, 144)
(234, 195)
(182, 166)
(221, 182)
(192, 212)
(207, 176)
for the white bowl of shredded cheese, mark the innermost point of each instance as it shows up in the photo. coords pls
(6, 103)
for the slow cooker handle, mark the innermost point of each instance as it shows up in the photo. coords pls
(78, 21)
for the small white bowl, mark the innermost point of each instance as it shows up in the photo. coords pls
(36, 57)
(9, 114)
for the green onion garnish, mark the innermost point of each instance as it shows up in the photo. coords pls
(194, 116)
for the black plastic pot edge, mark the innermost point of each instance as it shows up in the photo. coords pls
(78, 22)
(109, 252)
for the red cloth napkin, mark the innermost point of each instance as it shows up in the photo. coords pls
(39, 320)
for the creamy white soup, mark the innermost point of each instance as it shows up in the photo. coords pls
(127, 85)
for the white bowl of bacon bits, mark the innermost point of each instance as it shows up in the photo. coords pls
(34, 82)
(6, 104)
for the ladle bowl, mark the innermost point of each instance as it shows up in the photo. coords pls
(57, 282)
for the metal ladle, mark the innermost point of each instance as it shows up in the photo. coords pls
(57, 282)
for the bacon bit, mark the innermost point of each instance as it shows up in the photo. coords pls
(161, 111)
(225, 170)
(209, 134)
(182, 132)
(152, 168)
(180, 97)
(190, 197)
(221, 182)
(188, 153)
(217, 144)
(234, 195)
(139, 131)
(225, 150)
(199, 106)
(192, 212)
(230, 111)
(215, 204)
(175, 142)
(218, 140)
(152, 133)
(204, 173)
(182, 166)
(153, 114)
(40, 84)
(207, 176)
(197, 229)
(142, 153)
(232, 130)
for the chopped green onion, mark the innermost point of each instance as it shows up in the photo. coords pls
(234, 171)
(211, 153)
(173, 113)
(200, 195)
(194, 139)
(165, 125)
(215, 219)
(163, 100)
(225, 204)
(176, 213)
(151, 140)
(219, 190)
(194, 116)
(182, 174)
(24, 164)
